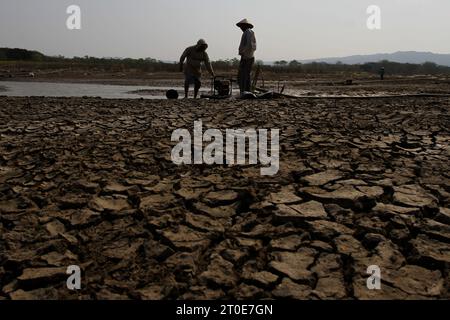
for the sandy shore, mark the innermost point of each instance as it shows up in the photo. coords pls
(90, 182)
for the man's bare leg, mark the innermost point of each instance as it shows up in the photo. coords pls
(186, 90)
(196, 89)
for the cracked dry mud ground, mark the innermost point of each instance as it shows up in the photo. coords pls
(90, 182)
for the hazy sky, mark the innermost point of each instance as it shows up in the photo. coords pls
(285, 29)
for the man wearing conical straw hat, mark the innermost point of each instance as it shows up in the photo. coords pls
(247, 50)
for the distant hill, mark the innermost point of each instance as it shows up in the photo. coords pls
(20, 54)
(400, 56)
(400, 63)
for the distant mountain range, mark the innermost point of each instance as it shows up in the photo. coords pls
(414, 57)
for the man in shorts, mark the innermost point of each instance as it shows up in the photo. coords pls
(195, 56)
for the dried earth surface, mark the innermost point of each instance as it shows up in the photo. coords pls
(90, 182)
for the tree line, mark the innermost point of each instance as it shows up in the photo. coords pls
(229, 65)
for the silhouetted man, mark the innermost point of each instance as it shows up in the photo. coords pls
(247, 50)
(195, 56)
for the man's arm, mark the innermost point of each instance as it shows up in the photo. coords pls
(243, 44)
(183, 57)
(208, 65)
(253, 41)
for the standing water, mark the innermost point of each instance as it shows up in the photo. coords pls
(50, 89)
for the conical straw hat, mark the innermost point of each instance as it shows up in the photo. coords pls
(245, 22)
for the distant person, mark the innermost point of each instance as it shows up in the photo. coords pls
(381, 72)
(247, 50)
(194, 57)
